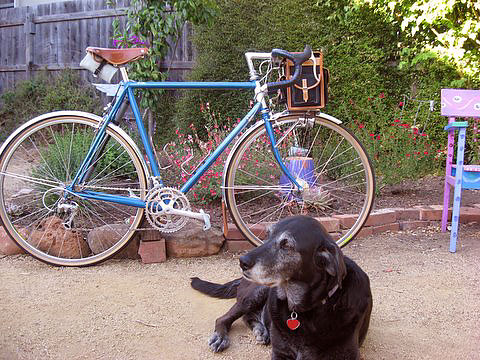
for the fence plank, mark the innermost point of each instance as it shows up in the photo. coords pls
(29, 41)
(54, 36)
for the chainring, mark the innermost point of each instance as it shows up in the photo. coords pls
(158, 201)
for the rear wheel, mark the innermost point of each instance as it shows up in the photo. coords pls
(43, 216)
(326, 159)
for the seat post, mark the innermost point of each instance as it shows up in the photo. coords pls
(123, 71)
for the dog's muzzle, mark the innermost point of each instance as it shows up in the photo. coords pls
(246, 262)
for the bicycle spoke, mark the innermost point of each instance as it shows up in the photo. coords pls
(329, 163)
(36, 175)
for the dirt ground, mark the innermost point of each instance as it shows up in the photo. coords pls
(426, 304)
(426, 301)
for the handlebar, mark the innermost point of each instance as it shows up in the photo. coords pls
(297, 59)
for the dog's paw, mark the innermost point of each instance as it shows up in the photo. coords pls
(218, 342)
(261, 334)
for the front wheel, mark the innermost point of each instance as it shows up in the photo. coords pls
(325, 158)
(37, 164)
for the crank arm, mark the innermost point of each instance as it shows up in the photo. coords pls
(202, 216)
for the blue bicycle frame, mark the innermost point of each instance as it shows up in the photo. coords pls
(127, 93)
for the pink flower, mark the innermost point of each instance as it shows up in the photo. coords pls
(381, 96)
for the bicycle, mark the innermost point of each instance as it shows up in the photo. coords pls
(67, 176)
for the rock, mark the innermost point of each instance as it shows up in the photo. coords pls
(7, 245)
(104, 237)
(130, 251)
(192, 241)
(52, 238)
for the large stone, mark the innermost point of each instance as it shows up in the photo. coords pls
(104, 237)
(192, 241)
(7, 245)
(52, 238)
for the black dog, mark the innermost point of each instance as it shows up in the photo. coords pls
(300, 293)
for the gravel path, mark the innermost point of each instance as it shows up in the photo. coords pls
(426, 304)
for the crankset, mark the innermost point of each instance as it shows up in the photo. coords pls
(168, 210)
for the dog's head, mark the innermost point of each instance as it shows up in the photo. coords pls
(297, 249)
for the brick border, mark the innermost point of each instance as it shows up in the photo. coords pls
(151, 246)
(379, 221)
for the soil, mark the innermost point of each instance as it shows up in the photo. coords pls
(426, 300)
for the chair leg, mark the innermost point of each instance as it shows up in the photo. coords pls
(457, 194)
(446, 198)
(457, 198)
(448, 172)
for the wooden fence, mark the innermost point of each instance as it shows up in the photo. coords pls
(54, 36)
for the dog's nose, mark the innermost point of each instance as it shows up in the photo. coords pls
(245, 262)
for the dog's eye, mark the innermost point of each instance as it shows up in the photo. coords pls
(285, 244)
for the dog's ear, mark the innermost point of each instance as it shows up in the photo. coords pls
(330, 258)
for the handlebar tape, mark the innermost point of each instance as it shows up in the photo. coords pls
(297, 59)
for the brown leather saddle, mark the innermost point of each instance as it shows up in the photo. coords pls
(117, 57)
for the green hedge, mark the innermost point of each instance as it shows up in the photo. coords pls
(360, 50)
(43, 94)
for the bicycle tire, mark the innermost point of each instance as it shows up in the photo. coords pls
(48, 222)
(340, 182)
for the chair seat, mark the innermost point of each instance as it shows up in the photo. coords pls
(471, 176)
(470, 168)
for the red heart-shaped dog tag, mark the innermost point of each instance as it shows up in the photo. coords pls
(293, 324)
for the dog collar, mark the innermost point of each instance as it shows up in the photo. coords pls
(330, 294)
(293, 323)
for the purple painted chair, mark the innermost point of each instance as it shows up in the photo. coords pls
(457, 103)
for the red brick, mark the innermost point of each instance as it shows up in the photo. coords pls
(233, 233)
(330, 224)
(366, 231)
(346, 221)
(335, 236)
(408, 214)
(469, 214)
(433, 212)
(386, 227)
(410, 225)
(152, 251)
(150, 235)
(450, 211)
(381, 217)
(238, 245)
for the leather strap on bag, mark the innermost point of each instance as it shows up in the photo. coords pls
(304, 88)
